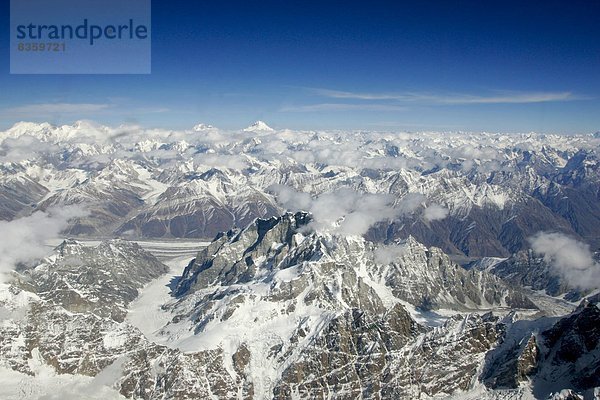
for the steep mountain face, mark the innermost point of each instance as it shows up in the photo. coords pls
(110, 195)
(259, 126)
(309, 314)
(100, 280)
(575, 193)
(287, 306)
(423, 277)
(19, 195)
(199, 206)
(485, 231)
(65, 318)
(572, 344)
(306, 314)
(552, 354)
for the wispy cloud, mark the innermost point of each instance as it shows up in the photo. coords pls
(24, 239)
(419, 125)
(343, 211)
(506, 98)
(151, 110)
(338, 94)
(343, 107)
(57, 108)
(496, 97)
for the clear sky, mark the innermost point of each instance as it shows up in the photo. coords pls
(422, 65)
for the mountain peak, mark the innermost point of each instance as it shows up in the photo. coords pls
(259, 126)
(69, 247)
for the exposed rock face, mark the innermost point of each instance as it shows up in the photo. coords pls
(444, 360)
(343, 328)
(80, 297)
(566, 394)
(514, 361)
(200, 206)
(580, 175)
(571, 353)
(423, 277)
(485, 231)
(73, 323)
(526, 269)
(109, 195)
(528, 360)
(349, 358)
(560, 353)
(101, 280)
(18, 195)
(277, 311)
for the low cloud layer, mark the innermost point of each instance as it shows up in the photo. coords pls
(495, 97)
(24, 239)
(346, 211)
(25, 147)
(571, 259)
(387, 254)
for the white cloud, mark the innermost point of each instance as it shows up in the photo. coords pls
(409, 203)
(340, 94)
(25, 147)
(343, 107)
(570, 258)
(496, 97)
(24, 239)
(388, 254)
(346, 211)
(237, 162)
(506, 98)
(435, 212)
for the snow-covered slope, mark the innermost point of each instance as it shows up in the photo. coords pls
(259, 126)
(272, 295)
(278, 311)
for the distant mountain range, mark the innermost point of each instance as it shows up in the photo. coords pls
(471, 194)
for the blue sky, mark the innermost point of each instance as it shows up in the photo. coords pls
(435, 65)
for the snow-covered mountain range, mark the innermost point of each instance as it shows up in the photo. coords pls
(469, 194)
(276, 312)
(333, 271)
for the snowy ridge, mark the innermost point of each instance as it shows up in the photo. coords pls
(284, 294)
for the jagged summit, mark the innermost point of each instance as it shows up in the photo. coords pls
(279, 243)
(68, 246)
(281, 296)
(259, 126)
